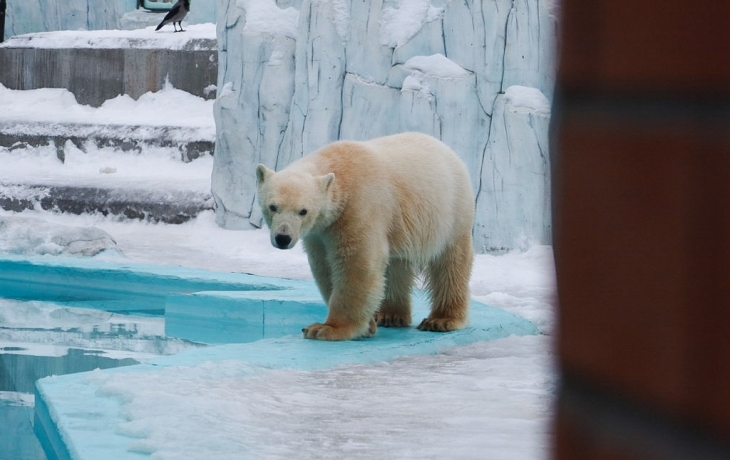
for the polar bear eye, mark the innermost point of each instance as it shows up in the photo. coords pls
(303, 212)
(272, 208)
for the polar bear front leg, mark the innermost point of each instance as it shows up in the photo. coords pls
(356, 293)
(321, 270)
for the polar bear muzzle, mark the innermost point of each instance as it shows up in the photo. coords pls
(282, 241)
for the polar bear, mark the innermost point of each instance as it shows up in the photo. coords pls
(372, 215)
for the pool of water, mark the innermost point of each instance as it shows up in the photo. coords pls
(42, 338)
(61, 317)
(16, 419)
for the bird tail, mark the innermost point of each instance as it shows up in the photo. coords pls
(160, 26)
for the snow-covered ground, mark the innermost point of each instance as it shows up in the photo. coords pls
(58, 105)
(486, 400)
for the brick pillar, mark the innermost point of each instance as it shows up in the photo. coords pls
(641, 131)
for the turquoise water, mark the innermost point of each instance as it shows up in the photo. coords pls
(18, 441)
(39, 339)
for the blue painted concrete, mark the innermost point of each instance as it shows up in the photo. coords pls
(113, 286)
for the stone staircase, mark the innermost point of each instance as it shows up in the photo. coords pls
(94, 74)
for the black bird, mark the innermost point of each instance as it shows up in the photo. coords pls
(176, 15)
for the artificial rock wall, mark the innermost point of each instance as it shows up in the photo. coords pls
(479, 75)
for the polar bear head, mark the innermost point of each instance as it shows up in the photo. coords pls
(293, 203)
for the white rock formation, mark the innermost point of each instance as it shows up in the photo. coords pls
(476, 74)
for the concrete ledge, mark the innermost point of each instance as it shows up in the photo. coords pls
(89, 283)
(95, 75)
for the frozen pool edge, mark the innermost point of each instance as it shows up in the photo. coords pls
(72, 395)
(74, 420)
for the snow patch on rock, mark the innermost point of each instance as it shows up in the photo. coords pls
(265, 17)
(436, 65)
(526, 99)
(400, 23)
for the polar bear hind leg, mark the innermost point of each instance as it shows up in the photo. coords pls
(447, 280)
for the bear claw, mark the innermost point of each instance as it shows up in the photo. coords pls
(384, 320)
(441, 324)
(320, 331)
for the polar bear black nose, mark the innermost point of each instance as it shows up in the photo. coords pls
(282, 241)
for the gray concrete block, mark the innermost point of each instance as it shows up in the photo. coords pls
(95, 75)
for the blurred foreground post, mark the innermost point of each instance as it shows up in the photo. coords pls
(641, 134)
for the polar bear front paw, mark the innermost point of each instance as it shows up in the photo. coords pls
(320, 331)
(441, 324)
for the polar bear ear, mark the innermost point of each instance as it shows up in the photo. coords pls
(262, 172)
(326, 181)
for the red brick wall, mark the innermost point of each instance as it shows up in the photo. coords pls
(641, 133)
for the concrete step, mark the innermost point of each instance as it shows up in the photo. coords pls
(192, 142)
(172, 207)
(79, 191)
(97, 67)
(150, 173)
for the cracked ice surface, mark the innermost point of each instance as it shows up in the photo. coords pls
(358, 70)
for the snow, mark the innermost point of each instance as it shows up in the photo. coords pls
(526, 99)
(29, 236)
(104, 167)
(263, 16)
(341, 16)
(436, 65)
(398, 25)
(477, 401)
(423, 67)
(138, 38)
(58, 105)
